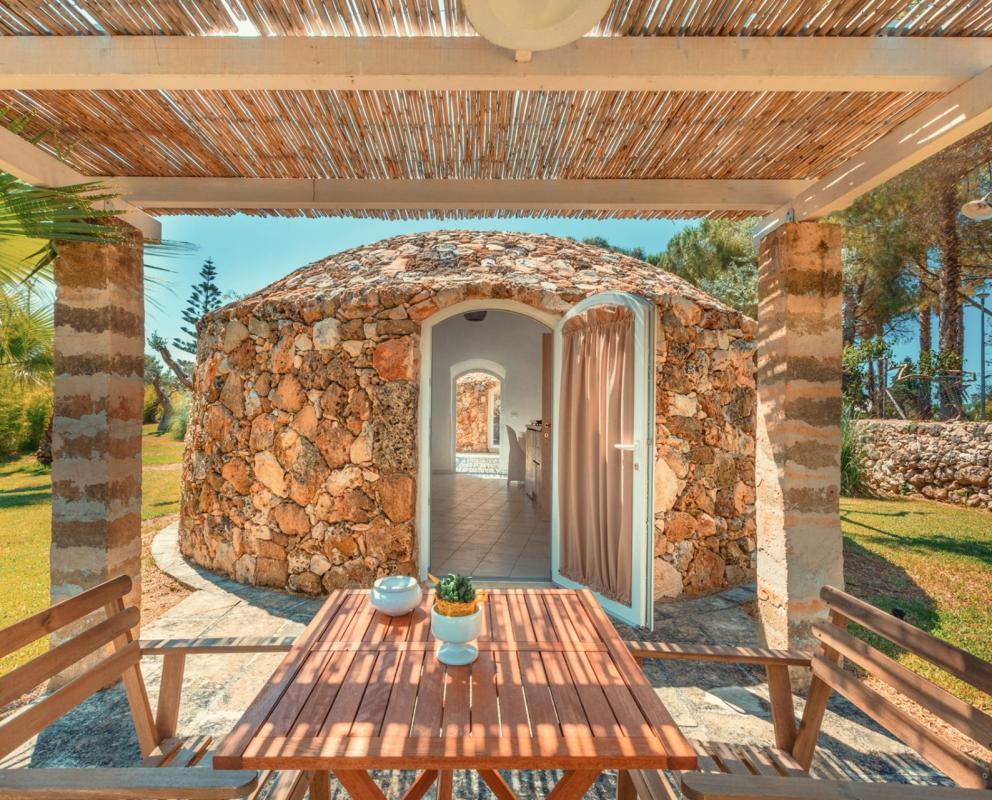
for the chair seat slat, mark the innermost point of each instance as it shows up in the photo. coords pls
(699, 786)
(178, 751)
(125, 784)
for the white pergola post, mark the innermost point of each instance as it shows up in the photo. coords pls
(797, 457)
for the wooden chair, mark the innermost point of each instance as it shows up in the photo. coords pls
(173, 766)
(735, 772)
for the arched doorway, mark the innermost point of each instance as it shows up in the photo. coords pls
(484, 364)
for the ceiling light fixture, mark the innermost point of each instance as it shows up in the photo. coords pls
(532, 25)
(980, 209)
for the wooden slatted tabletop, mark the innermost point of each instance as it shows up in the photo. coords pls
(553, 687)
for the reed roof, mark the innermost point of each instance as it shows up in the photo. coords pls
(447, 17)
(471, 134)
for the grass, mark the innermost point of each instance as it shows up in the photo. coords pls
(157, 449)
(25, 527)
(935, 562)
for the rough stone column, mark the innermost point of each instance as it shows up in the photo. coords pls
(798, 429)
(96, 431)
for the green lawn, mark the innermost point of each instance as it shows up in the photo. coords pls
(25, 527)
(157, 449)
(932, 560)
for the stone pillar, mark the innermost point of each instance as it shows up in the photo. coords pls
(797, 456)
(96, 431)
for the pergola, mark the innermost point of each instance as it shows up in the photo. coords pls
(787, 109)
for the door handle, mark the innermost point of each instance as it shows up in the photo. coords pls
(625, 447)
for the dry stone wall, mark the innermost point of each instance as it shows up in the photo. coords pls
(949, 461)
(472, 413)
(704, 470)
(300, 468)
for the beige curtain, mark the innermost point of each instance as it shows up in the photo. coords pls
(597, 412)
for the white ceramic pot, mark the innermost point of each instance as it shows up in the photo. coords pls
(396, 595)
(458, 635)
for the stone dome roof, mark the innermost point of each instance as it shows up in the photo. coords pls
(480, 263)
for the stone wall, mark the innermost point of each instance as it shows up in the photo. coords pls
(472, 413)
(300, 467)
(949, 461)
(704, 470)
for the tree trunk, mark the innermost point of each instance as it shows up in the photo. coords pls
(170, 362)
(848, 319)
(166, 404)
(924, 402)
(871, 386)
(951, 327)
(44, 451)
(951, 321)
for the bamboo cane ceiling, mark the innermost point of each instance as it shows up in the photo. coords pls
(458, 134)
(447, 18)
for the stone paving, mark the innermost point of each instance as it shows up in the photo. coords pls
(721, 702)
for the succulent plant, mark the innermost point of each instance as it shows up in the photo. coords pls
(456, 589)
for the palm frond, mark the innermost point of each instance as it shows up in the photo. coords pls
(27, 330)
(34, 219)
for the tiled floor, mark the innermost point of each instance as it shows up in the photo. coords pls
(482, 527)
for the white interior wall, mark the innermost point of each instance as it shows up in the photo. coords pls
(509, 340)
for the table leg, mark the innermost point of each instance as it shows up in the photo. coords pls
(625, 786)
(574, 784)
(445, 784)
(497, 784)
(320, 785)
(425, 780)
(359, 785)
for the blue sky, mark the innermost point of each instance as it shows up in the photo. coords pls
(252, 252)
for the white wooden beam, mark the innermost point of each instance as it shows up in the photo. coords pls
(31, 164)
(942, 123)
(470, 63)
(440, 195)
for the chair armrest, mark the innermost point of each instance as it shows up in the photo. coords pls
(706, 786)
(225, 644)
(705, 652)
(139, 783)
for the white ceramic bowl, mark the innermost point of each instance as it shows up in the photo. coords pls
(396, 595)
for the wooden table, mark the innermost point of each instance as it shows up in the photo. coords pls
(553, 688)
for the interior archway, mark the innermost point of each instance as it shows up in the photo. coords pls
(476, 434)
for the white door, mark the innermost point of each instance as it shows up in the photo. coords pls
(603, 453)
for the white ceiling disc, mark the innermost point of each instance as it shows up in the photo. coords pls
(534, 24)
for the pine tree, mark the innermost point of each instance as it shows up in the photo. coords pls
(204, 297)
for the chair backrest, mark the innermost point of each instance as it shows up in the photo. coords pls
(837, 642)
(93, 638)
